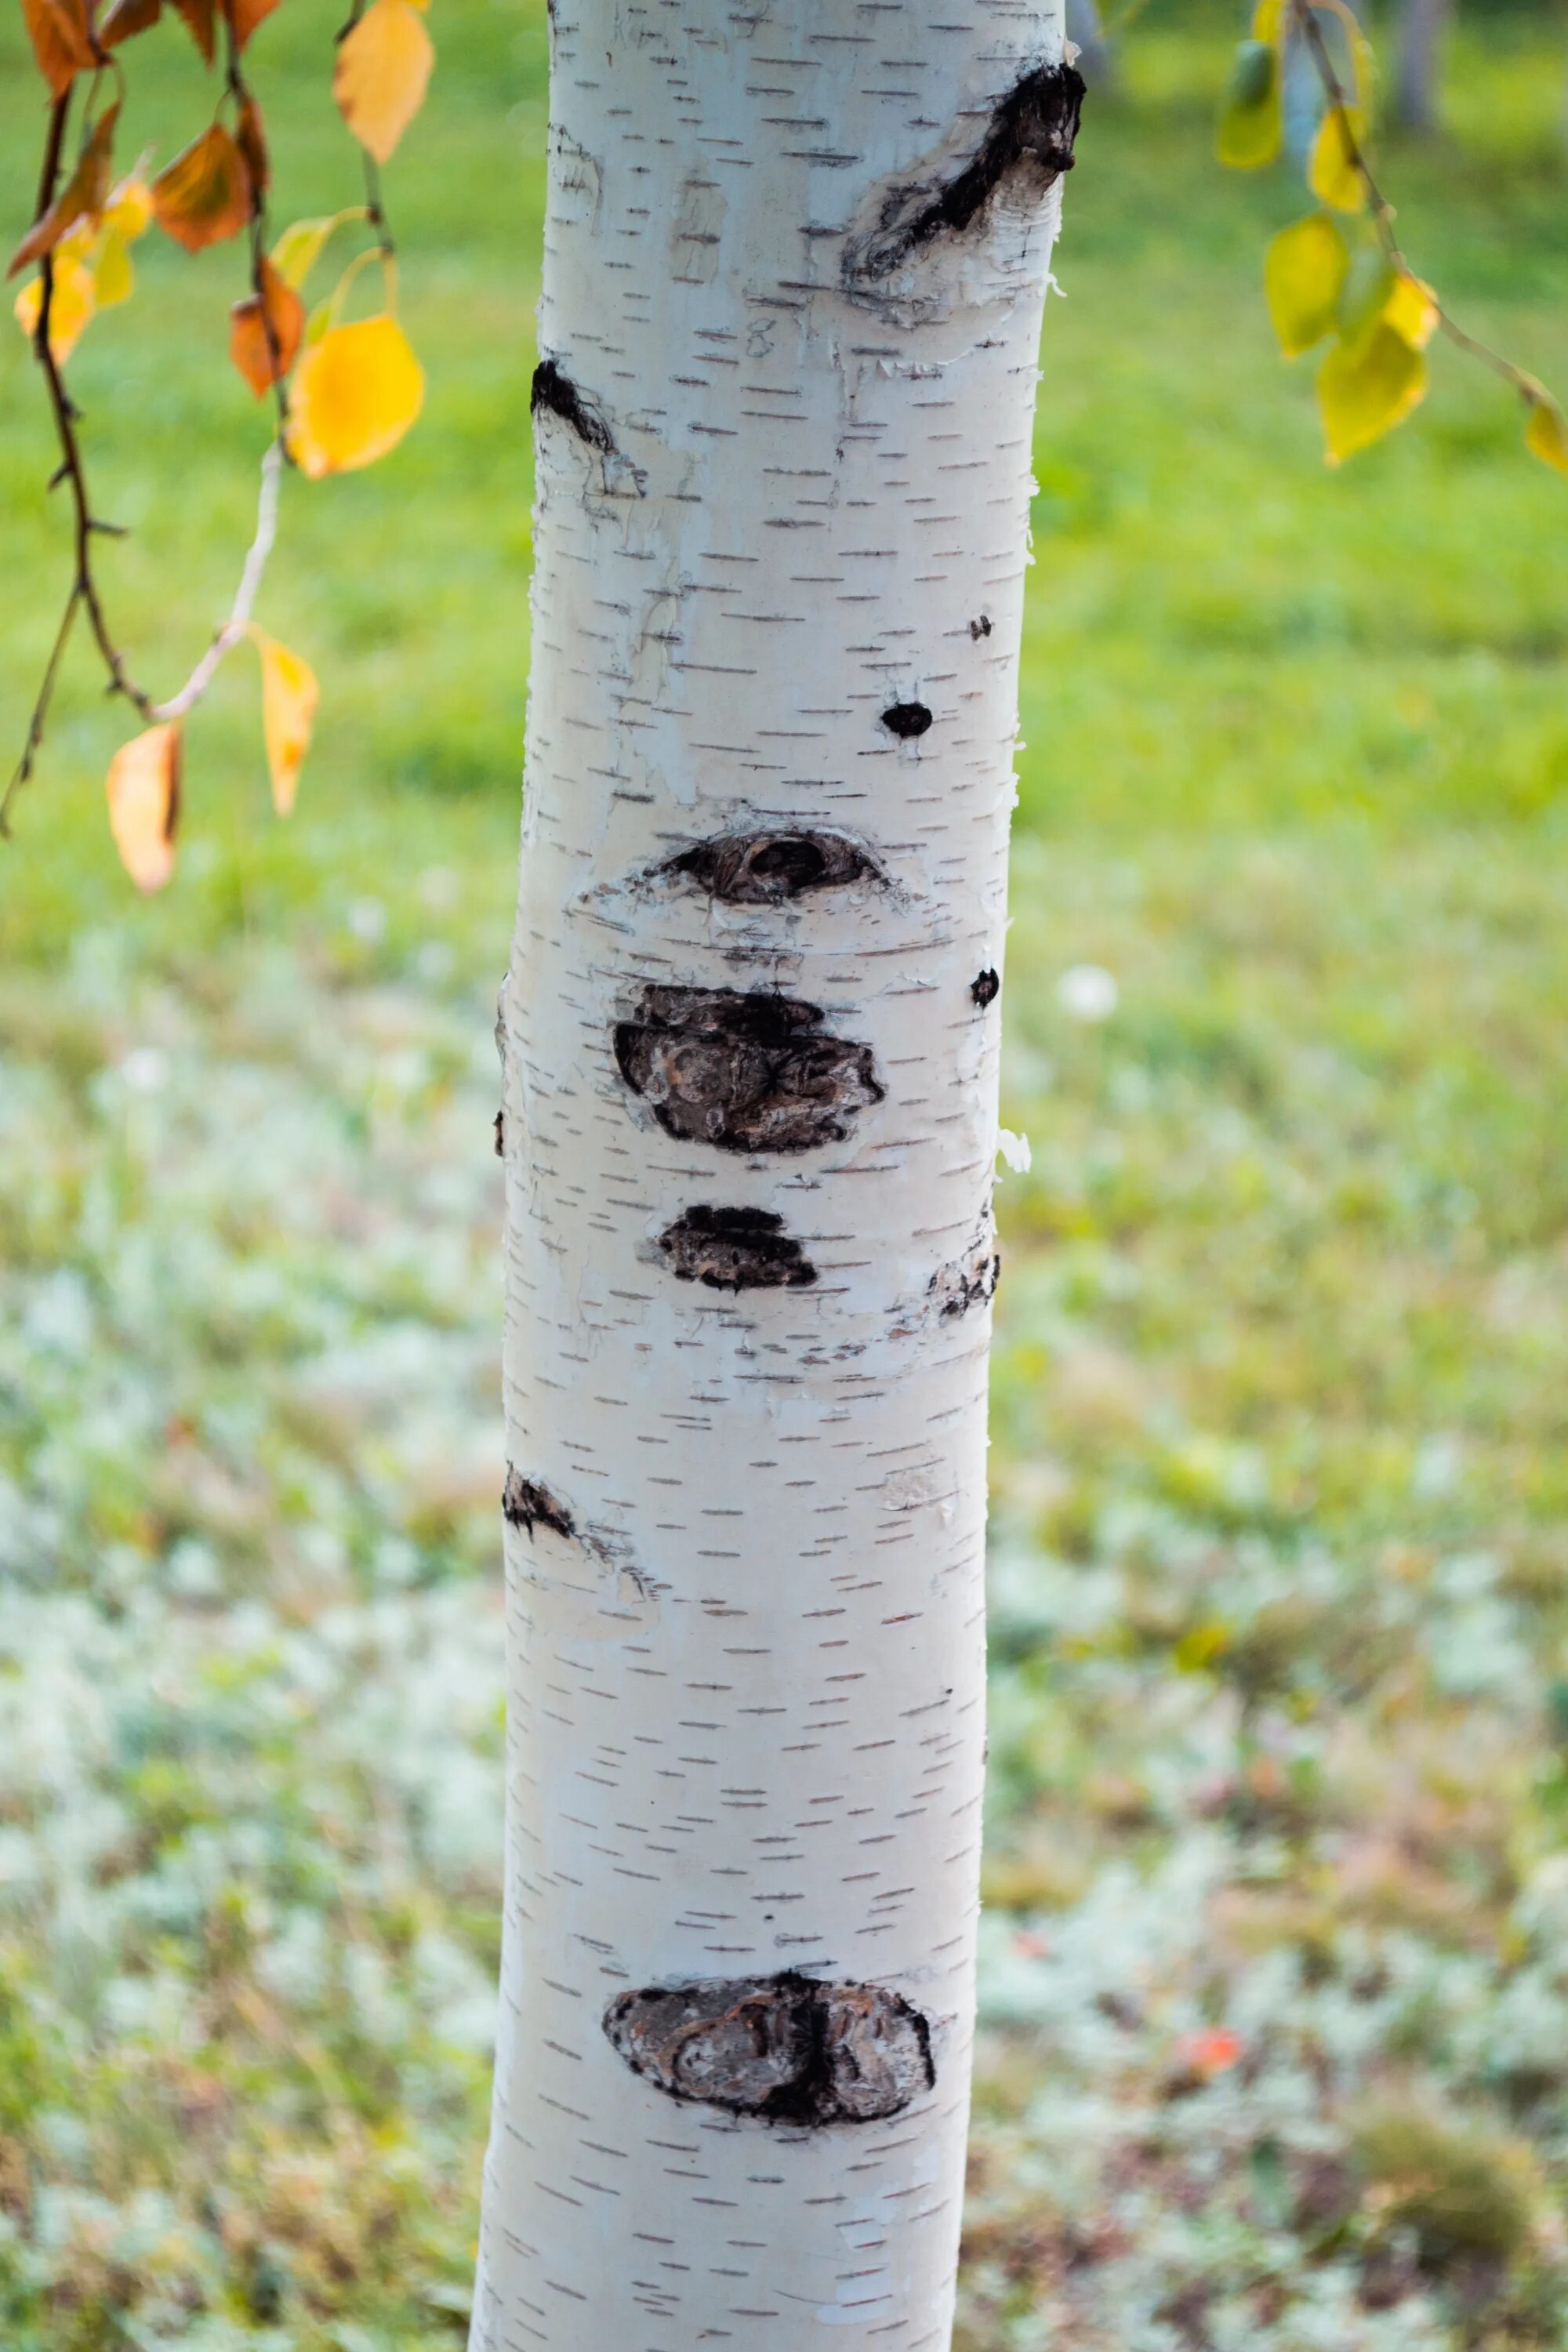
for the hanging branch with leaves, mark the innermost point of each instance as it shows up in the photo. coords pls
(345, 390)
(1356, 291)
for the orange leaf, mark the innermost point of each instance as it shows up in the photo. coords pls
(85, 195)
(245, 16)
(198, 15)
(355, 394)
(126, 17)
(205, 195)
(265, 331)
(383, 66)
(250, 137)
(143, 790)
(288, 698)
(61, 41)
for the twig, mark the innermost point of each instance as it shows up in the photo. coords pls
(238, 620)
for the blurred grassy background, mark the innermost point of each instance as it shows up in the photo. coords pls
(1276, 1999)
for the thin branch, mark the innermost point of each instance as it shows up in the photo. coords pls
(245, 595)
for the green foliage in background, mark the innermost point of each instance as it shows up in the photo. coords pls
(1275, 1999)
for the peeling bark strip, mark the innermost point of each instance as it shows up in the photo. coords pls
(781, 2047)
(528, 1504)
(1029, 141)
(763, 870)
(744, 1072)
(736, 1249)
(907, 720)
(555, 395)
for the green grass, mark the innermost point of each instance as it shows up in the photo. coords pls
(1275, 1999)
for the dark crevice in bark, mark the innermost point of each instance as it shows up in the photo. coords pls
(526, 1504)
(500, 1134)
(744, 1071)
(967, 1282)
(987, 986)
(781, 2047)
(763, 870)
(735, 1249)
(907, 720)
(1028, 141)
(980, 628)
(555, 395)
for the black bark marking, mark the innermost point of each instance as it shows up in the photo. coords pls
(743, 1071)
(763, 870)
(778, 2047)
(1029, 142)
(554, 394)
(735, 1249)
(907, 720)
(985, 987)
(528, 1504)
(966, 1282)
(500, 1134)
(980, 629)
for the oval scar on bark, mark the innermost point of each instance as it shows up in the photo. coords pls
(744, 1071)
(526, 1504)
(1028, 144)
(781, 2048)
(763, 870)
(987, 986)
(907, 720)
(554, 394)
(966, 1282)
(735, 1249)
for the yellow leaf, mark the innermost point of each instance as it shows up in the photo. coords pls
(355, 394)
(288, 698)
(299, 248)
(1366, 388)
(205, 194)
(1268, 17)
(1410, 309)
(143, 790)
(1250, 120)
(83, 197)
(1546, 435)
(265, 331)
(1303, 271)
(1331, 173)
(130, 208)
(74, 302)
(383, 66)
(61, 41)
(114, 275)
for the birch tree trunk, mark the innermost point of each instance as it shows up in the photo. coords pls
(795, 262)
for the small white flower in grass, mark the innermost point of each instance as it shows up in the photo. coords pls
(144, 1069)
(1086, 992)
(1015, 1151)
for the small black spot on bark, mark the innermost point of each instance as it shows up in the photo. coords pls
(780, 2047)
(980, 629)
(967, 1282)
(554, 394)
(525, 1503)
(743, 1071)
(907, 719)
(735, 1249)
(985, 987)
(763, 870)
(500, 1134)
(1029, 140)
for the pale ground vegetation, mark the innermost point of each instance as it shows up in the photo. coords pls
(1274, 1996)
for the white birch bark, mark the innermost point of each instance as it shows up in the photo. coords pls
(795, 263)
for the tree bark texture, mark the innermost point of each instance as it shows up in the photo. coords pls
(795, 263)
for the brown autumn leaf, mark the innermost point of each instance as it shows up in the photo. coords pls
(143, 791)
(125, 18)
(383, 66)
(263, 357)
(62, 42)
(205, 194)
(289, 698)
(84, 195)
(250, 137)
(198, 17)
(245, 16)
